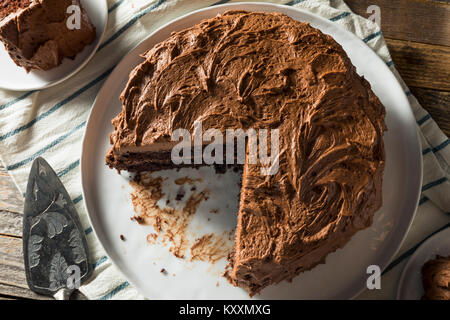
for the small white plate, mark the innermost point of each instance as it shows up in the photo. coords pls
(410, 285)
(16, 78)
(343, 276)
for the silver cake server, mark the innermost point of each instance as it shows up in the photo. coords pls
(54, 243)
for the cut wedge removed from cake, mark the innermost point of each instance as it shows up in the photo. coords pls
(250, 70)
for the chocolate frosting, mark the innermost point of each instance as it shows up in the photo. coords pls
(266, 70)
(436, 278)
(36, 35)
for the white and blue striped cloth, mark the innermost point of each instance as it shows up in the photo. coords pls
(50, 123)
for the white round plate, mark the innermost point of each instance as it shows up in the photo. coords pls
(343, 276)
(410, 285)
(16, 78)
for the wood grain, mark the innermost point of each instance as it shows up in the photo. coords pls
(423, 21)
(12, 273)
(421, 65)
(10, 223)
(437, 103)
(10, 197)
(13, 283)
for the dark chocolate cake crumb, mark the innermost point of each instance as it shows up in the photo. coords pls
(138, 219)
(180, 194)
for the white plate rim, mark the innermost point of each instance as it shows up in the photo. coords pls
(405, 227)
(416, 255)
(78, 68)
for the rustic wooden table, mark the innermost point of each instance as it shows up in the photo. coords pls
(418, 36)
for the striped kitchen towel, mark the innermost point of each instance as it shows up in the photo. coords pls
(50, 123)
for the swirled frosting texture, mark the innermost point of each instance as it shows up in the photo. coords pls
(436, 279)
(265, 70)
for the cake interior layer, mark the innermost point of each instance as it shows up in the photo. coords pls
(10, 6)
(162, 159)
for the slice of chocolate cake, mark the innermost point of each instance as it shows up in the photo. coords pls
(249, 70)
(36, 34)
(436, 278)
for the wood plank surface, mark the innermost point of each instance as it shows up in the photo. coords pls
(10, 223)
(10, 198)
(423, 21)
(421, 65)
(12, 273)
(13, 282)
(437, 103)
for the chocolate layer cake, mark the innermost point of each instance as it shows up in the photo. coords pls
(36, 35)
(265, 70)
(436, 279)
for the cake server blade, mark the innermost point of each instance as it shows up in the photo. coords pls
(54, 244)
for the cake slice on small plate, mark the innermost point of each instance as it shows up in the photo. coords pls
(36, 33)
(436, 278)
(47, 41)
